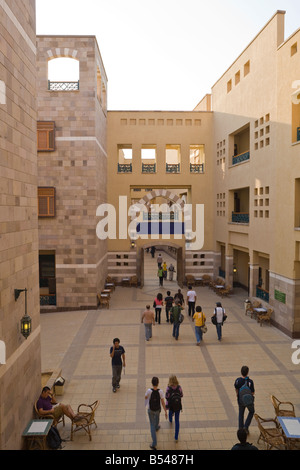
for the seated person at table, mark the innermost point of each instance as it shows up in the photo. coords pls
(46, 405)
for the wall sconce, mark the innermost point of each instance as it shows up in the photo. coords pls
(25, 320)
(132, 244)
(234, 269)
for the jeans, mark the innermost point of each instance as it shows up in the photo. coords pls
(198, 333)
(176, 330)
(176, 413)
(219, 330)
(167, 313)
(242, 410)
(116, 375)
(157, 314)
(154, 423)
(148, 330)
(191, 308)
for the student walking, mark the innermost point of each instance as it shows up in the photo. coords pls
(244, 388)
(200, 320)
(176, 313)
(168, 303)
(154, 400)
(191, 300)
(173, 396)
(219, 318)
(158, 305)
(171, 270)
(148, 320)
(117, 354)
(160, 274)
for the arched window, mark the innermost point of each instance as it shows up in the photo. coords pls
(63, 74)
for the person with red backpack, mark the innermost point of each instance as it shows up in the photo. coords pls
(174, 395)
(154, 398)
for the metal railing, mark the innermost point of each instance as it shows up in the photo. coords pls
(148, 167)
(63, 86)
(240, 217)
(196, 167)
(173, 167)
(124, 167)
(242, 157)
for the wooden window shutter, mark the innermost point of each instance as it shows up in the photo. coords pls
(46, 136)
(46, 202)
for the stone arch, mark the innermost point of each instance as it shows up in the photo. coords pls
(162, 193)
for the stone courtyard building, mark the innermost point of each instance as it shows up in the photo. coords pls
(235, 157)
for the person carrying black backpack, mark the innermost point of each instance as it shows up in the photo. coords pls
(174, 395)
(154, 401)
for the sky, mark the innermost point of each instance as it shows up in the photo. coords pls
(163, 54)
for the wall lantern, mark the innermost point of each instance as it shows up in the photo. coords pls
(132, 244)
(25, 320)
(234, 269)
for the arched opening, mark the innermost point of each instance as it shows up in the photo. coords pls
(63, 74)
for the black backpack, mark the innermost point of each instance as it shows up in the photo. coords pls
(154, 402)
(174, 401)
(53, 438)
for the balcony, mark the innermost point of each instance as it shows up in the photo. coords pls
(173, 167)
(262, 294)
(242, 157)
(124, 167)
(63, 86)
(196, 167)
(240, 217)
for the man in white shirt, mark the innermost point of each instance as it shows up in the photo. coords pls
(191, 300)
(154, 408)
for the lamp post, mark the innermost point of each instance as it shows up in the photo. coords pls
(25, 320)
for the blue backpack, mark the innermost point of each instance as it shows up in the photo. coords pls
(245, 395)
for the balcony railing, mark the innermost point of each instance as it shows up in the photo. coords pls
(148, 167)
(124, 167)
(242, 157)
(63, 86)
(173, 167)
(262, 294)
(49, 299)
(240, 217)
(196, 167)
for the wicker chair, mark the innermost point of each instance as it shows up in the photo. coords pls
(103, 300)
(85, 419)
(56, 421)
(225, 292)
(270, 433)
(206, 279)
(253, 305)
(133, 281)
(265, 317)
(288, 408)
(190, 280)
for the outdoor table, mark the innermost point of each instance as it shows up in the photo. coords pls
(198, 280)
(260, 310)
(291, 429)
(36, 433)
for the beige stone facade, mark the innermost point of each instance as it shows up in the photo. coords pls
(20, 375)
(72, 258)
(64, 155)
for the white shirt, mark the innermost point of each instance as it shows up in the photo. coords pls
(191, 295)
(148, 395)
(219, 314)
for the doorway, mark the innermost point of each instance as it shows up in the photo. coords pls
(147, 264)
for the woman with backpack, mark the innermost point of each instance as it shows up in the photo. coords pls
(173, 396)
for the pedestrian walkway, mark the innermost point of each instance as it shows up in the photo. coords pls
(79, 343)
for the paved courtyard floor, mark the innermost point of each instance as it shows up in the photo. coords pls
(79, 343)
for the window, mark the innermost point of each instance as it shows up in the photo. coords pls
(46, 202)
(294, 49)
(63, 74)
(45, 136)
